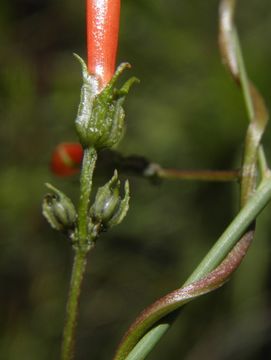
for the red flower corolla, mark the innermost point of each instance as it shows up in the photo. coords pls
(66, 159)
(102, 18)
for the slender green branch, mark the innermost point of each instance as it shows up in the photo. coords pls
(255, 129)
(244, 218)
(88, 165)
(248, 181)
(177, 298)
(82, 245)
(78, 270)
(244, 81)
(222, 247)
(255, 106)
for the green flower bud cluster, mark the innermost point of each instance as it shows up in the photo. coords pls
(109, 209)
(100, 118)
(59, 210)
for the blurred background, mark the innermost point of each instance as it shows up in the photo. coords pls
(186, 113)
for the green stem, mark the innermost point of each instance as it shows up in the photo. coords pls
(258, 117)
(253, 136)
(82, 244)
(234, 231)
(244, 81)
(254, 133)
(88, 165)
(78, 270)
(214, 257)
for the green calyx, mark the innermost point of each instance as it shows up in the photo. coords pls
(58, 210)
(109, 209)
(100, 118)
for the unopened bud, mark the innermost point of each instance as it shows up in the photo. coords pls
(109, 208)
(58, 209)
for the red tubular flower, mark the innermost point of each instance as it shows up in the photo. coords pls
(66, 159)
(102, 18)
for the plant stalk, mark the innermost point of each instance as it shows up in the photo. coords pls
(88, 165)
(200, 175)
(78, 270)
(214, 257)
(82, 244)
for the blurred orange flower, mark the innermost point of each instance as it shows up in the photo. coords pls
(66, 159)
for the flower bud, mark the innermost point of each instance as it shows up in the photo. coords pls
(100, 118)
(58, 209)
(109, 209)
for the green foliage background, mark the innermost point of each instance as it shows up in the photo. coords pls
(185, 113)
